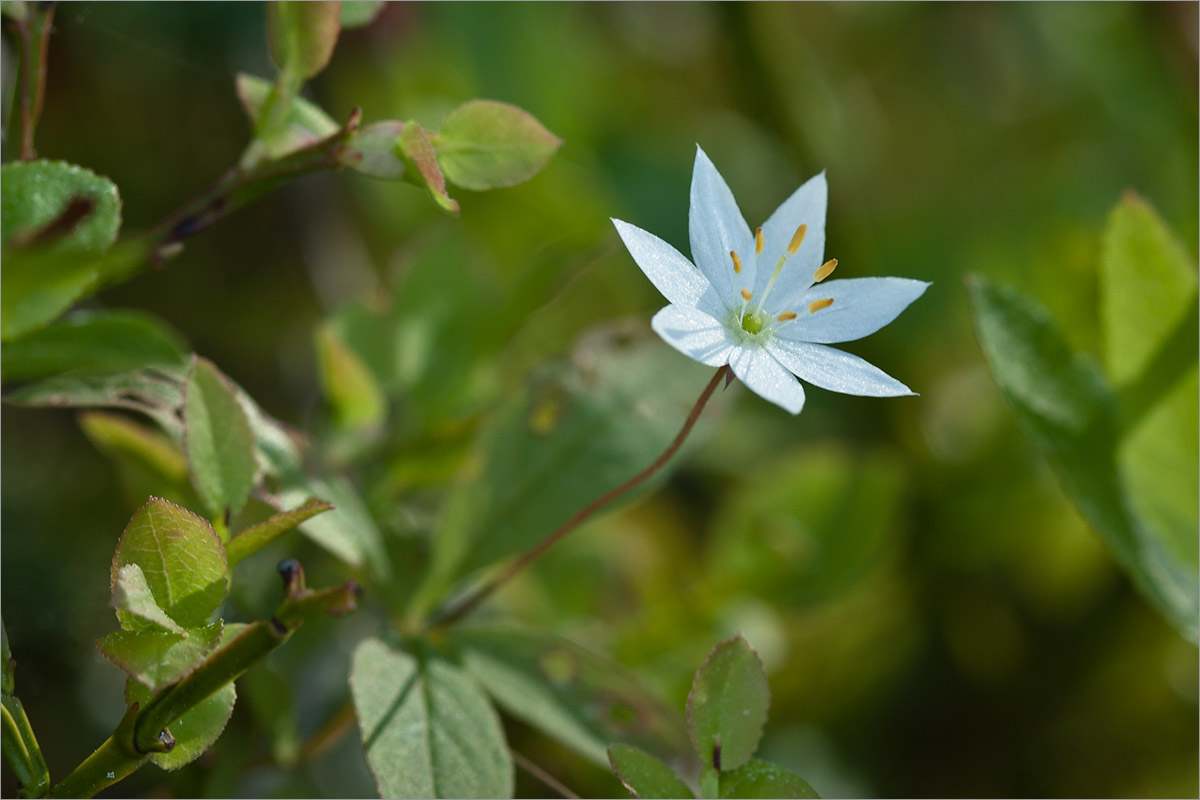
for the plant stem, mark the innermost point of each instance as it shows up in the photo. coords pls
(34, 34)
(468, 604)
(21, 748)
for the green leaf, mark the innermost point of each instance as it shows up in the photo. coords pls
(196, 730)
(1066, 407)
(8, 666)
(359, 13)
(352, 391)
(348, 531)
(256, 537)
(427, 727)
(1149, 312)
(304, 123)
(131, 594)
(644, 775)
(181, 558)
(728, 704)
(484, 144)
(569, 693)
(415, 148)
(148, 461)
(218, 441)
(158, 658)
(372, 150)
(302, 35)
(35, 195)
(96, 341)
(762, 779)
(155, 392)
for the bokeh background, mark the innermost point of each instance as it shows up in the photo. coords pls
(935, 617)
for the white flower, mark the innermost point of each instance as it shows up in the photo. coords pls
(755, 300)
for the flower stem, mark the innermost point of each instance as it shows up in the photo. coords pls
(33, 31)
(473, 600)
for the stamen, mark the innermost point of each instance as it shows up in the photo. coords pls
(797, 239)
(825, 270)
(817, 305)
(758, 242)
(746, 295)
(785, 316)
(737, 262)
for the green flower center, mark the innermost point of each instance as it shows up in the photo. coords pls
(752, 323)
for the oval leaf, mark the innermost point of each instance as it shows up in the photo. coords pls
(762, 779)
(358, 13)
(302, 35)
(427, 727)
(484, 144)
(181, 558)
(158, 658)
(644, 775)
(728, 704)
(218, 440)
(196, 730)
(59, 206)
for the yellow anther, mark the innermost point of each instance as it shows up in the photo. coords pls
(785, 316)
(817, 305)
(797, 239)
(746, 295)
(825, 270)
(737, 262)
(758, 242)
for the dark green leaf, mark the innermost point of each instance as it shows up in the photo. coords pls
(1065, 405)
(302, 35)
(762, 779)
(218, 440)
(427, 727)
(484, 144)
(644, 775)
(7, 665)
(131, 594)
(196, 730)
(158, 658)
(181, 558)
(256, 537)
(415, 147)
(728, 704)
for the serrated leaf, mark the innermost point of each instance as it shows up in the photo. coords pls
(358, 13)
(762, 779)
(351, 389)
(34, 194)
(415, 148)
(158, 658)
(302, 35)
(131, 594)
(484, 144)
(254, 538)
(728, 704)
(218, 441)
(181, 558)
(1064, 404)
(196, 730)
(96, 341)
(372, 150)
(157, 393)
(427, 727)
(304, 122)
(644, 775)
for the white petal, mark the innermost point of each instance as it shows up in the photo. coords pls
(716, 227)
(834, 370)
(807, 205)
(860, 307)
(694, 334)
(667, 269)
(765, 376)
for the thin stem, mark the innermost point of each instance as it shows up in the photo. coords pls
(34, 34)
(542, 775)
(468, 604)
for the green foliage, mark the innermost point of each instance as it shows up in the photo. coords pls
(644, 775)
(427, 727)
(758, 778)
(218, 441)
(485, 145)
(252, 539)
(196, 730)
(358, 13)
(356, 399)
(374, 150)
(304, 123)
(131, 594)
(414, 146)
(728, 704)
(157, 658)
(302, 35)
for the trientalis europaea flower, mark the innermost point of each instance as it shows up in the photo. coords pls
(758, 300)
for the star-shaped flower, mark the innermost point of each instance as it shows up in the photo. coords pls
(756, 300)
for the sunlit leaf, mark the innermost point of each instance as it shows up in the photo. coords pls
(484, 144)
(356, 399)
(218, 441)
(131, 594)
(762, 779)
(252, 539)
(196, 730)
(644, 775)
(302, 35)
(427, 728)
(158, 658)
(728, 704)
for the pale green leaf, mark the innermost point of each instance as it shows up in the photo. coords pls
(131, 594)
(427, 728)
(254, 538)
(356, 399)
(158, 658)
(762, 779)
(372, 150)
(196, 730)
(416, 149)
(148, 461)
(36, 194)
(484, 144)
(302, 35)
(218, 440)
(358, 13)
(644, 775)
(181, 558)
(728, 704)
(304, 123)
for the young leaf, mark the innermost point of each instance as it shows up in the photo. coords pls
(302, 35)
(427, 727)
(372, 150)
(356, 398)
(252, 539)
(762, 779)
(131, 594)
(1063, 403)
(122, 438)
(159, 658)
(196, 730)
(728, 704)
(359, 13)
(484, 144)
(644, 775)
(415, 147)
(96, 341)
(218, 440)
(304, 122)
(181, 558)
(59, 206)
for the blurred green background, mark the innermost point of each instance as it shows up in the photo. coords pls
(935, 617)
